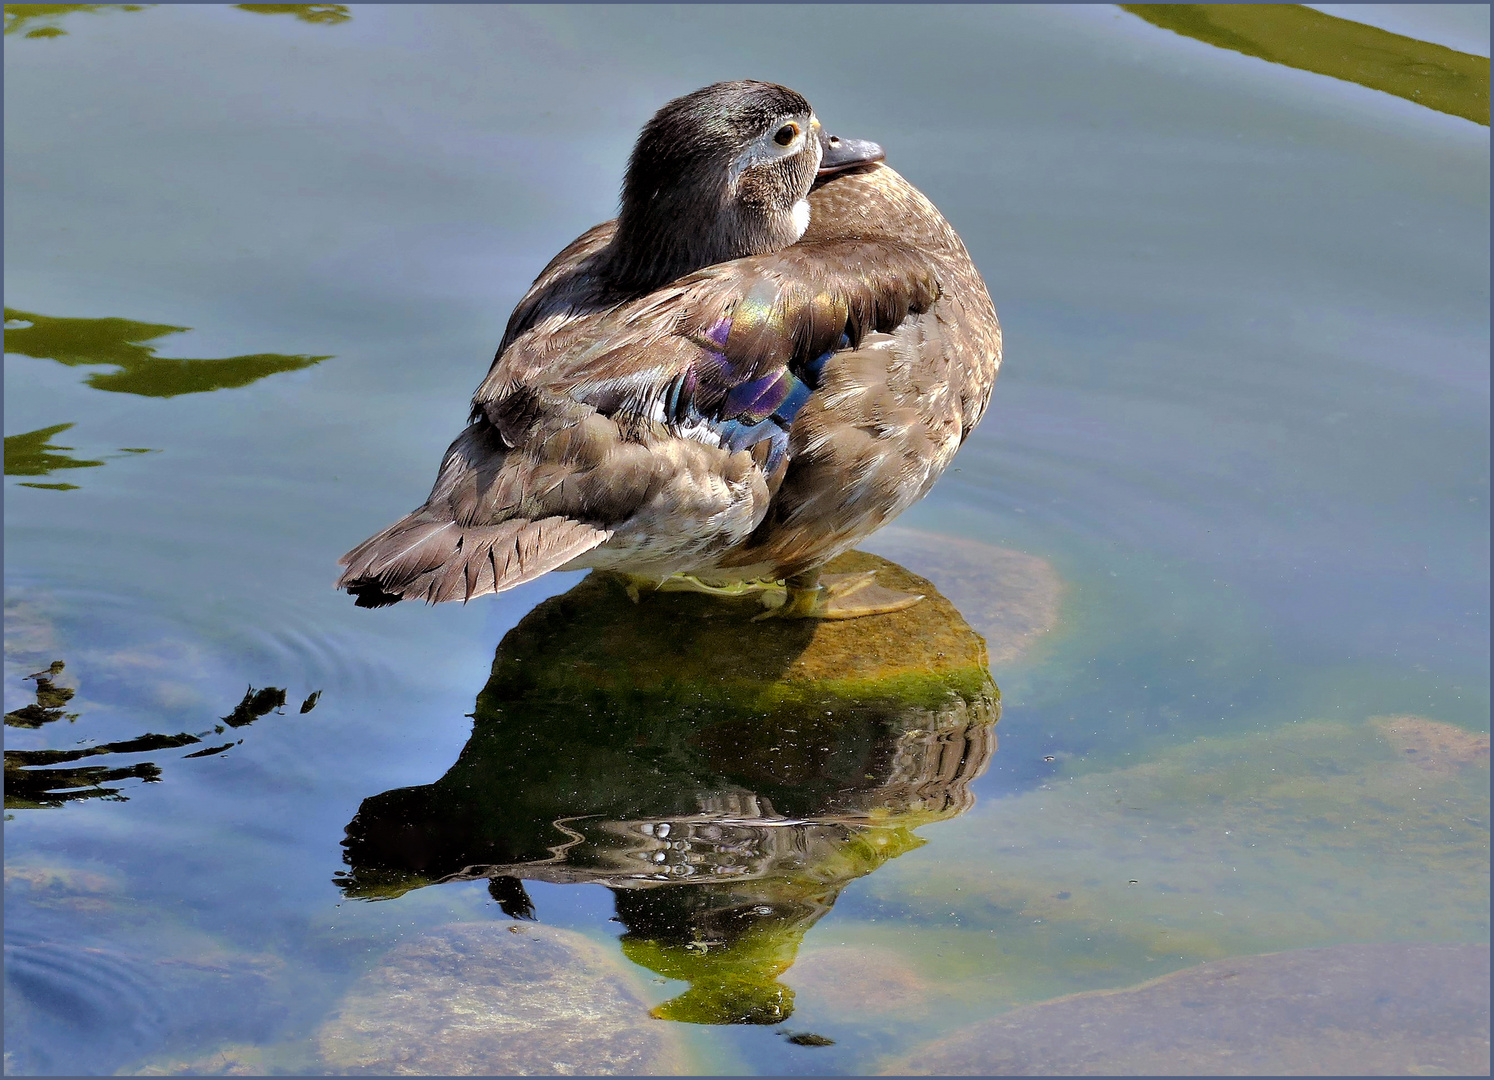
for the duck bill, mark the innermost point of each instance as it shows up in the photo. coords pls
(838, 155)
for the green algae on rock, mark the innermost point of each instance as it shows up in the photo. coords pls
(733, 940)
(489, 999)
(725, 778)
(322, 14)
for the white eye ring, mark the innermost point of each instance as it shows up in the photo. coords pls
(768, 149)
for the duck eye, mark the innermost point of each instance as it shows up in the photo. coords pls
(786, 134)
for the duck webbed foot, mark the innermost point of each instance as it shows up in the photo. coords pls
(813, 595)
(690, 583)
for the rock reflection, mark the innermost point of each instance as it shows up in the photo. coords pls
(726, 779)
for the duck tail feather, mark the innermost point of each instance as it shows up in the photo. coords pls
(421, 557)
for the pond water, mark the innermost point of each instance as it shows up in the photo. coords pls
(1224, 527)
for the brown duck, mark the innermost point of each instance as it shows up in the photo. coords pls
(775, 349)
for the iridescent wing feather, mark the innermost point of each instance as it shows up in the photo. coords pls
(726, 356)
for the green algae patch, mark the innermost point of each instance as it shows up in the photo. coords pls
(732, 942)
(601, 710)
(735, 985)
(40, 20)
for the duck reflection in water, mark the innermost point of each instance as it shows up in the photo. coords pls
(725, 779)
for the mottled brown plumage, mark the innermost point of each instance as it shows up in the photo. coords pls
(747, 418)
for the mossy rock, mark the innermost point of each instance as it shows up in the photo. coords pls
(595, 647)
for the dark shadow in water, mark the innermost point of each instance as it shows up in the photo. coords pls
(50, 698)
(1432, 75)
(40, 20)
(725, 779)
(138, 370)
(40, 779)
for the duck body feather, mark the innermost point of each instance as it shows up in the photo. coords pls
(750, 420)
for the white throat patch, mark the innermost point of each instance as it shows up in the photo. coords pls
(801, 217)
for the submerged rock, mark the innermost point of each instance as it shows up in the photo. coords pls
(1342, 1011)
(854, 980)
(1433, 747)
(1304, 835)
(235, 1059)
(494, 999)
(1010, 597)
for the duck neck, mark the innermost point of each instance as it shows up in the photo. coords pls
(651, 249)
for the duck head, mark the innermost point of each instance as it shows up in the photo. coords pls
(720, 174)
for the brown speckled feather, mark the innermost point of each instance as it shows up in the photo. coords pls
(603, 433)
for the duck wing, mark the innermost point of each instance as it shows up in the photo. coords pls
(716, 357)
(453, 547)
(600, 420)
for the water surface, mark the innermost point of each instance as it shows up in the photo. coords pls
(257, 258)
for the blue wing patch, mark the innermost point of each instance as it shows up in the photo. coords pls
(728, 398)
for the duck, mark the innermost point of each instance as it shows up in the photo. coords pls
(774, 349)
